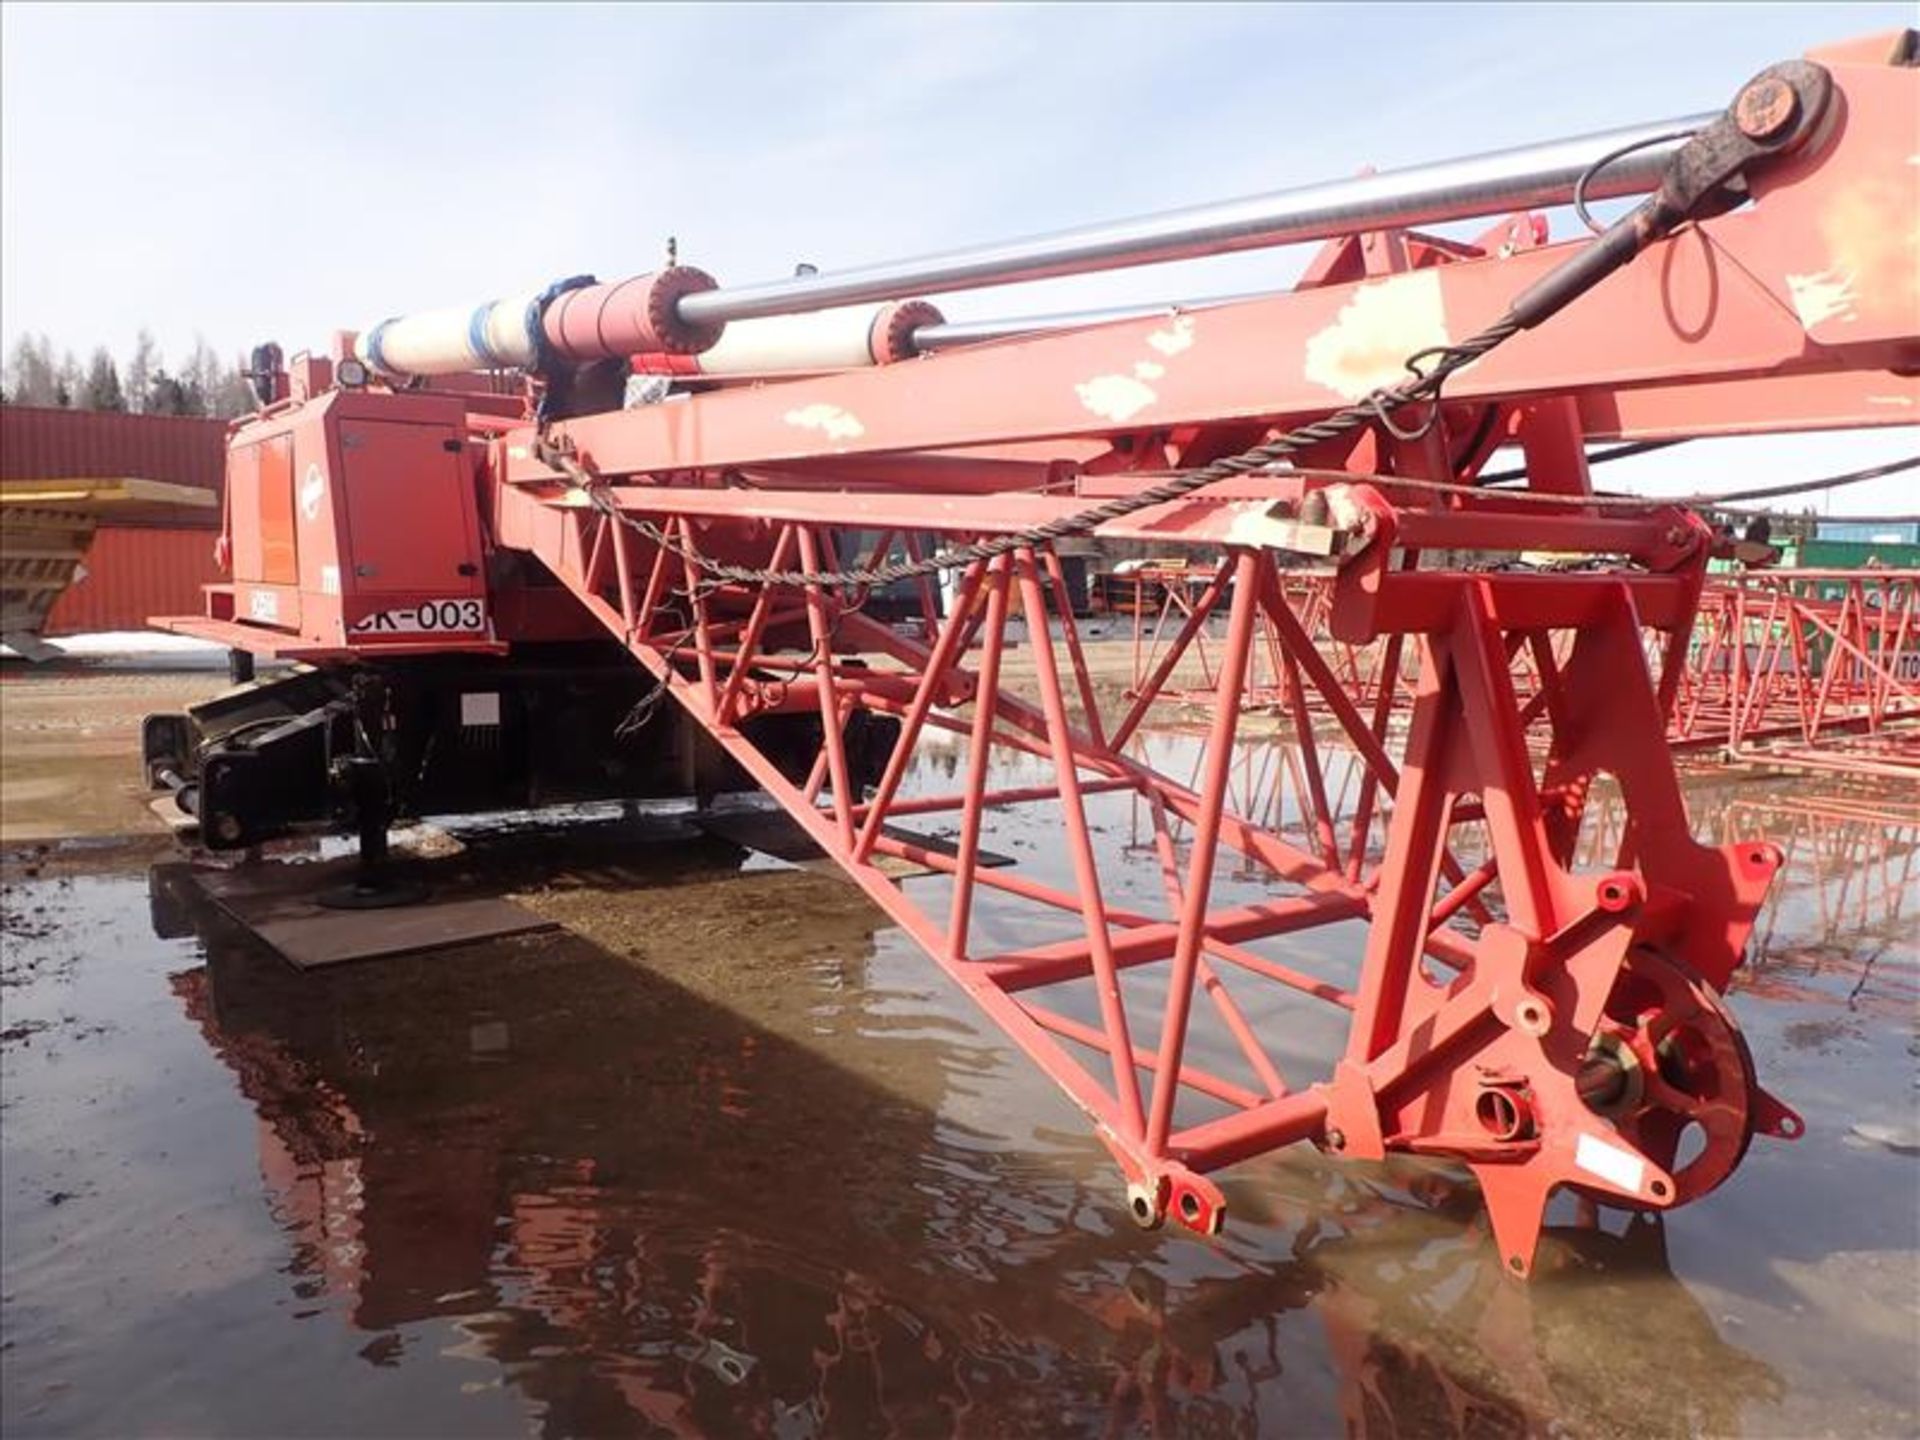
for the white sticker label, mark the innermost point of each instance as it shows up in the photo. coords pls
(329, 579)
(429, 617)
(480, 709)
(313, 489)
(1621, 1169)
(263, 605)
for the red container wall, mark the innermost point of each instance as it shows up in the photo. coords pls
(45, 444)
(131, 574)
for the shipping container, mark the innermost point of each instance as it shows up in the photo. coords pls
(1844, 554)
(132, 574)
(1871, 532)
(37, 443)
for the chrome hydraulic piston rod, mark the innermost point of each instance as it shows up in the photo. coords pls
(951, 334)
(1528, 177)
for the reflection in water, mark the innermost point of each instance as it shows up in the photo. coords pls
(1850, 875)
(1846, 900)
(641, 1210)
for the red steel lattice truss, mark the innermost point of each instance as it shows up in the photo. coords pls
(1816, 669)
(1799, 669)
(1546, 1023)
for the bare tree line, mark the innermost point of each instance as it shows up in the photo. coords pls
(200, 384)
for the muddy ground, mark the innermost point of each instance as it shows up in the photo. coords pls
(68, 735)
(725, 1155)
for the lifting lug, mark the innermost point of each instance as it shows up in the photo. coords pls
(1774, 114)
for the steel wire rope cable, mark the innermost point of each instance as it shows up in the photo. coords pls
(1379, 405)
(1805, 487)
(1259, 459)
(1586, 176)
(1699, 500)
(1599, 457)
(1419, 386)
(1422, 384)
(1702, 499)
(1622, 500)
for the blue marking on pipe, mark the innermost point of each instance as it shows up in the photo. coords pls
(477, 334)
(536, 315)
(374, 357)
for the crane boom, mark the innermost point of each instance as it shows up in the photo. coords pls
(813, 583)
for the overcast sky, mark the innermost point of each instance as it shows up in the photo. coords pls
(246, 173)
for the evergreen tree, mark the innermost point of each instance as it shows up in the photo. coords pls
(201, 384)
(140, 370)
(31, 371)
(233, 396)
(167, 396)
(101, 390)
(67, 382)
(200, 377)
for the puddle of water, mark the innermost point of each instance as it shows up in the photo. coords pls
(735, 1158)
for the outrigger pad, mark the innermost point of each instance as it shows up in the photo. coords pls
(281, 904)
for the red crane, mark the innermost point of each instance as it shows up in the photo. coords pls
(525, 565)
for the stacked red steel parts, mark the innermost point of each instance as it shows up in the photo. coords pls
(1849, 844)
(1797, 669)
(1814, 669)
(1160, 603)
(1546, 1024)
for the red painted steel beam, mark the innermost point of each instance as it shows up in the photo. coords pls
(1506, 977)
(1734, 296)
